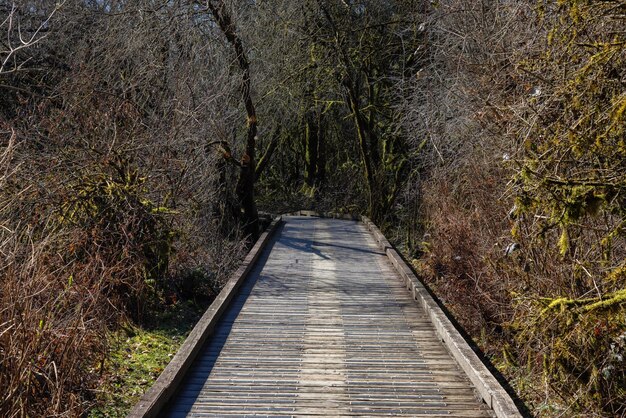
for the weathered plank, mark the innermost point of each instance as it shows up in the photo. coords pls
(325, 327)
(488, 386)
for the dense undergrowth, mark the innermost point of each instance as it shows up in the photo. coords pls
(110, 209)
(522, 197)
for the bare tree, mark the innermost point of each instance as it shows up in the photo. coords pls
(247, 174)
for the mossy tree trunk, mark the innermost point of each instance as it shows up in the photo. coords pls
(315, 151)
(311, 142)
(247, 172)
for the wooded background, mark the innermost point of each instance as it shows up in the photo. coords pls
(140, 139)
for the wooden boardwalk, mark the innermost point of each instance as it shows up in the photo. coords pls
(323, 326)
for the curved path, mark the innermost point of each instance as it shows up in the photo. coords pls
(324, 326)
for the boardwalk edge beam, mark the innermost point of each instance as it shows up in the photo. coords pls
(491, 391)
(157, 397)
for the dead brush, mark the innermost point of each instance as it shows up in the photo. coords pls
(52, 333)
(65, 283)
(569, 318)
(85, 238)
(571, 211)
(464, 241)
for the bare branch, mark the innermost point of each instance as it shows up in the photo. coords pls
(14, 30)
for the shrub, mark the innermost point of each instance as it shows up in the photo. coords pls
(570, 203)
(114, 222)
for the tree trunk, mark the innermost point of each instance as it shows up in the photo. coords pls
(247, 173)
(311, 131)
(360, 126)
(321, 151)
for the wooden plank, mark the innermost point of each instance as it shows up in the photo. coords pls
(490, 389)
(325, 328)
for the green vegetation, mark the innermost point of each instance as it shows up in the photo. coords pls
(138, 355)
(118, 220)
(526, 224)
(573, 180)
(135, 362)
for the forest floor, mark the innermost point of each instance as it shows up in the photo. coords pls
(140, 353)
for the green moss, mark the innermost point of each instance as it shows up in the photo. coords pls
(564, 242)
(586, 305)
(135, 363)
(615, 300)
(139, 355)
